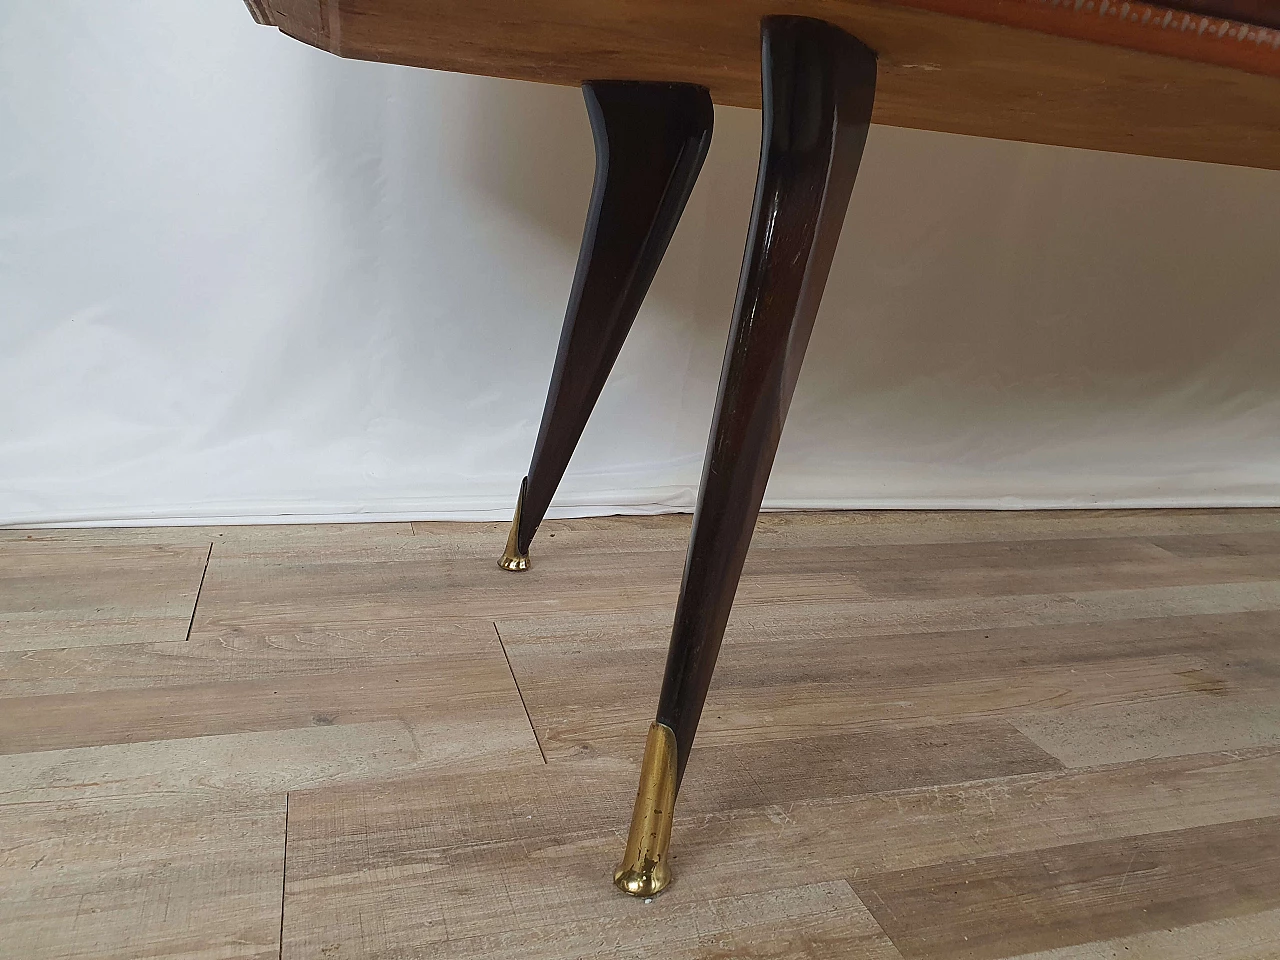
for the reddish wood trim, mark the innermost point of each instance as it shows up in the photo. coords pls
(1186, 29)
(1134, 25)
(1262, 13)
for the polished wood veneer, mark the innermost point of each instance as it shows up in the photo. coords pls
(1125, 77)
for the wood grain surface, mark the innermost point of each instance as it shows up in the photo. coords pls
(1129, 77)
(1079, 892)
(54, 596)
(1051, 736)
(142, 876)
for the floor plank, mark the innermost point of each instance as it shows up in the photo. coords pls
(823, 921)
(65, 594)
(469, 691)
(229, 538)
(646, 627)
(1252, 937)
(269, 762)
(817, 529)
(1114, 733)
(243, 651)
(996, 906)
(420, 578)
(421, 862)
(876, 760)
(783, 687)
(746, 715)
(167, 878)
(1012, 567)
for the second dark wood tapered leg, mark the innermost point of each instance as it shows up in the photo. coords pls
(818, 86)
(651, 139)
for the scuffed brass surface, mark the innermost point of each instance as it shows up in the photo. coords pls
(644, 870)
(512, 559)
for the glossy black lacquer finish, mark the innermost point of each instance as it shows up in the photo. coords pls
(819, 84)
(651, 139)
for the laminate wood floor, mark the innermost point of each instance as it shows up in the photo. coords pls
(931, 735)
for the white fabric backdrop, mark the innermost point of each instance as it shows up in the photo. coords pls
(240, 278)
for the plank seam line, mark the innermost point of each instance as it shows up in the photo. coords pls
(900, 949)
(284, 871)
(203, 573)
(519, 692)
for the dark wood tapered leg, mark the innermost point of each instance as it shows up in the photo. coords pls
(651, 139)
(819, 85)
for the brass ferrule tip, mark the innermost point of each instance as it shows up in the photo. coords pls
(512, 558)
(644, 870)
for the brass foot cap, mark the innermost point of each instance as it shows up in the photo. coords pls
(514, 561)
(643, 880)
(644, 870)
